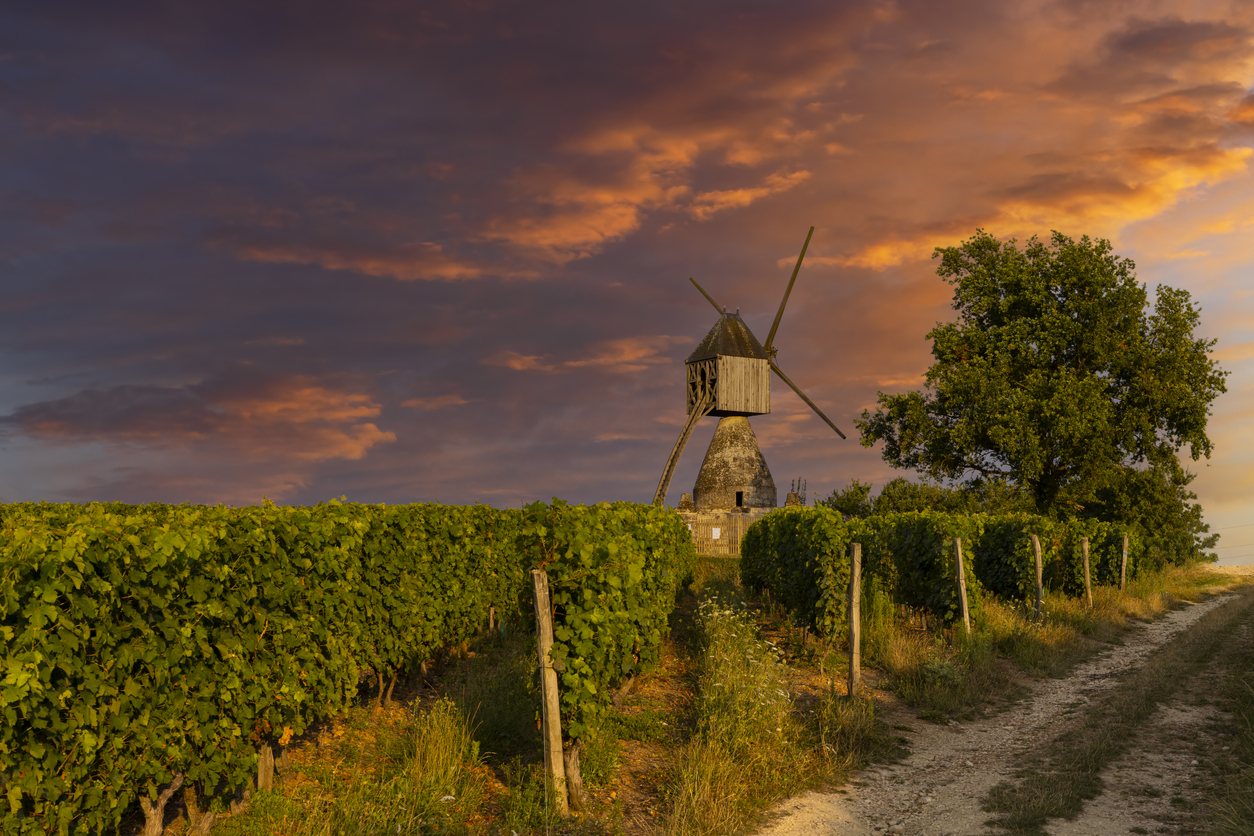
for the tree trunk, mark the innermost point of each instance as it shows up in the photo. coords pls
(201, 820)
(154, 812)
(378, 706)
(388, 700)
(574, 780)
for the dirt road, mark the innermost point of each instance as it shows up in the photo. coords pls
(939, 789)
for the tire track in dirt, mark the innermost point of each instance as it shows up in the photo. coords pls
(938, 789)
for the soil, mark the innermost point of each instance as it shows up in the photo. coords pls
(940, 787)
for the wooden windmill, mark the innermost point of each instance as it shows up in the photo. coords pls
(728, 375)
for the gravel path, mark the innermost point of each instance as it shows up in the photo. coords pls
(938, 789)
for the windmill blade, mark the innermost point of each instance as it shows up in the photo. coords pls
(716, 305)
(803, 397)
(700, 410)
(770, 338)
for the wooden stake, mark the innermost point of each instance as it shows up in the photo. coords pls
(1088, 587)
(550, 715)
(962, 585)
(1123, 565)
(265, 767)
(855, 617)
(1040, 589)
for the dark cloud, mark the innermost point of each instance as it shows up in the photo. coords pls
(440, 251)
(249, 414)
(1148, 56)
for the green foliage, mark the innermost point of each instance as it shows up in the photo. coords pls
(1054, 374)
(1005, 563)
(144, 642)
(614, 572)
(1156, 500)
(980, 495)
(854, 501)
(916, 551)
(801, 556)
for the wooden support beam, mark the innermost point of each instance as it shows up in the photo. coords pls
(962, 585)
(1123, 566)
(551, 720)
(1040, 589)
(1088, 587)
(854, 612)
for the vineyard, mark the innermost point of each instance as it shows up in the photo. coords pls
(153, 649)
(801, 557)
(173, 653)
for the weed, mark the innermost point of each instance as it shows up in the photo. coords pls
(744, 753)
(846, 728)
(649, 726)
(425, 775)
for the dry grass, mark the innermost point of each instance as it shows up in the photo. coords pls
(949, 673)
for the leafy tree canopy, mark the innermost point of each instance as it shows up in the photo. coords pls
(991, 496)
(1159, 501)
(1055, 375)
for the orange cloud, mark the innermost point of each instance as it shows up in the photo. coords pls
(621, 356)
(706, 204)
(1234, 353)
(631, 354)
(519, 362)
(293, 418)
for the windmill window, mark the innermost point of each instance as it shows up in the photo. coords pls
(740, 499)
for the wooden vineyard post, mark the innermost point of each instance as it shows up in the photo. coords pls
(855, 617)
(962, 585)
(1040, 590)
(1123, 565)
(1088, 587)
(551, 721)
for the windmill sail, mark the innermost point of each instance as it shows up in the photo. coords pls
(802, 395)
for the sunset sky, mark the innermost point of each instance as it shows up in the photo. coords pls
(439, 251)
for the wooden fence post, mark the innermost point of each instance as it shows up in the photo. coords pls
(1123, 565)
(1088, 587)
(1040, 589)
(962, 585)
(551, 720)
(854, 612)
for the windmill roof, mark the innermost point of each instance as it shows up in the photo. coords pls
(731, 337)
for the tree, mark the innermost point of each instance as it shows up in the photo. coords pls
(1055, 374)
(853, 501)
(1157, 499)
(991, 496)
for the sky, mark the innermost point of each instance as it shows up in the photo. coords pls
(406, 252)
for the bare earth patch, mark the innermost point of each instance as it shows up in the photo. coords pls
(939, 787)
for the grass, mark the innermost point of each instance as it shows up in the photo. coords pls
(953, 674)
(419, 774)
(1061, 776)
(1234, 808)
(737, 732)
(751, 747)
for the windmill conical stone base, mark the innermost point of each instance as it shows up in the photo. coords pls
(733, 489)
(734, 475)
